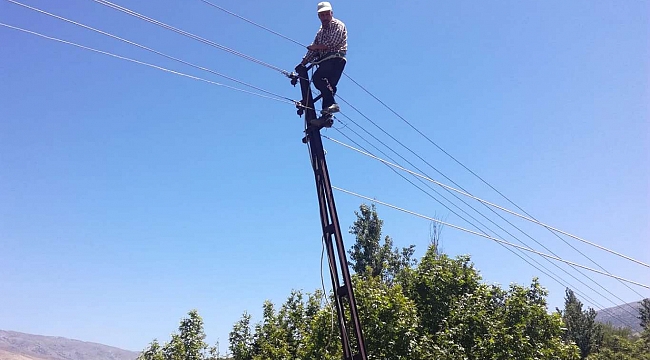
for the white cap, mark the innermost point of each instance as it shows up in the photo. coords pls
(324, 6)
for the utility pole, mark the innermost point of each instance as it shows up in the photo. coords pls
(337, 260)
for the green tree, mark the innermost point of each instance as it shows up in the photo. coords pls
(295, 331)
(188, 344)
(438, 282)
(241, 339)
(153, 352)
(323, 340)
(192, 336)
(463, 318)
(368, 256)
(525, 328)
(620, 344)
(389, 320)
(174, 349)
(644, 313)
(269, 341)
(581, 326)
(437, 309)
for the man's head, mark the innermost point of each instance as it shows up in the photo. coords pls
(325, 12)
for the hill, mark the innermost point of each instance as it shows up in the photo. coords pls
(21, 346)
(625, 315)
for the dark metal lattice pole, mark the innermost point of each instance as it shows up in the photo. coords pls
(337, 260)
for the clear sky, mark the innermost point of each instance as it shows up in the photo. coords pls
(129, 196)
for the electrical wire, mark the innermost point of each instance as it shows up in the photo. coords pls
(205, 69)
(487, 202)
(144, 63)
(499, 215)
(322, 281)
(421, 133)
(190, 35)
(552, 230)
(151, 50)
(278, 34)
(216, 6)
(492, 238)
(231, 13)
(584, 295)
(419, 176)
(253, 23)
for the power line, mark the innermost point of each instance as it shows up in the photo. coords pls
(144, 63)
(151, 50)
(190, 35)
(422, 134)
(492, 238)
(278, 34)
(521, 256)
(419, 176)
(530, 218)
(552, 230)
(499, 215)
(478, 228)
(486, 202)
(253, 23)
(298, 43)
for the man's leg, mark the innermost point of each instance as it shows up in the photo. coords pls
(337, 70)
(321, 80)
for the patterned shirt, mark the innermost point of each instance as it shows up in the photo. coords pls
(334, 35)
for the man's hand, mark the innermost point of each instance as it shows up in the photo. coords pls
(313, 47)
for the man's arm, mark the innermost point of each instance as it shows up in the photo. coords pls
(311, 51)
(315, 47)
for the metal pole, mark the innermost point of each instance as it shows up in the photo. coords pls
(343, 289)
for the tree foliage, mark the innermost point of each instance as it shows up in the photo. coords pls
(581, 325)
(439, 308)
(188, 344)
(644, 313)
(463, 318)
(621, 344)
(368, 256)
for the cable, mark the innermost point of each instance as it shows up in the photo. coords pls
(500, 227)
(190, 35)
(493, 238)
(394, 112)
(151, 50)
(481, 179)
(593, 302)
(143, 63)
(487, 202)
(322, 278)
(322, 281)
(493, 211)
(446, 177)
(253, 23)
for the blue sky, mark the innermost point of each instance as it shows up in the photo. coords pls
(129, 196)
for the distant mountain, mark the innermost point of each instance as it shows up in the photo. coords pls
(626, 315)
(20, 346)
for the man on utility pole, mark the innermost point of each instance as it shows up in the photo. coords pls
(328, 51)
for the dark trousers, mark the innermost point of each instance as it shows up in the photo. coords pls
(330, 70)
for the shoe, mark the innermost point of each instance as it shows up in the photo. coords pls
(320, 122)
(323, 121)
(334, 108)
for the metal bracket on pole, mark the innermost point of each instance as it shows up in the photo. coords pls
(338, 263)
